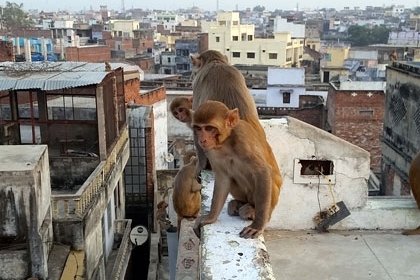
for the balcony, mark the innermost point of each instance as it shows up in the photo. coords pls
(103, 178)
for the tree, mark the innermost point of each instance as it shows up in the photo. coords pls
(14, 16)
(258, 8)
(363, 36)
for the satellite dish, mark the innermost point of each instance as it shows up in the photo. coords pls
(169, 157)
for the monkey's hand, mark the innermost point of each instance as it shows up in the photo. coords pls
(250, 232)
(197, 174)
(202, 221)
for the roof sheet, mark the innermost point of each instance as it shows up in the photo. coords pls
(54, 75)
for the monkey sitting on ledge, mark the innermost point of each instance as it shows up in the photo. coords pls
(243, 165)
(186, 196)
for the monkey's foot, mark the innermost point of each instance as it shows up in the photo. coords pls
(247, 212)
(412, 231)
(234, 206)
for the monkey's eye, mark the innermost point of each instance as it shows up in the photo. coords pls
(208, 128)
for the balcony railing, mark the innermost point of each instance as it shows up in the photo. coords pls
(75, 205)
(122, 259)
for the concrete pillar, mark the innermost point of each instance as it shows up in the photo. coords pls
(100, 110)
(28, 56)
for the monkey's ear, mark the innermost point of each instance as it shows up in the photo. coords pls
(190, 99)
(232, 118)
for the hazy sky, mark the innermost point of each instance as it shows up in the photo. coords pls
(227, 5)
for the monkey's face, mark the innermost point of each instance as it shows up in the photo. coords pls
(207, 136)
(181, 114)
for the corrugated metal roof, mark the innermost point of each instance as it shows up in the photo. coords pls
(54, 75)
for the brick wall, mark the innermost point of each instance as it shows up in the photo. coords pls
(311, 110)
(357, 117)
(151, 97)
(88, 54)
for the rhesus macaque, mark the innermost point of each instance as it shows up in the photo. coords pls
(243, 165)
(215, 79)
(414, 181)
(186, 194)
(180, 108)
(162, 215)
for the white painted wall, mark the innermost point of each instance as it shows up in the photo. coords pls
(298, 204)
(160, 112)
(280, 80)
(293, 139)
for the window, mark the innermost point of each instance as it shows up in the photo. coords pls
(169, 60)
(243, 37)
(236, 54)
(366, 113)
(327, 57)
(235, 38)
(250, 55)
(272, 56)
(286, 97)
(250, 38)
(235, 22)
(313, 171)
(217, 39)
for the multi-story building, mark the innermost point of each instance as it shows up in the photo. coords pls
(238, 43)
(401, 129)
(356, 113)
(66, 130)
(183, 49)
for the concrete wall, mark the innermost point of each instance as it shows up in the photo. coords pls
(292, 140)
(25, 209)
(401, 130)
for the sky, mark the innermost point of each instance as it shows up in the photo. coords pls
(226, 5)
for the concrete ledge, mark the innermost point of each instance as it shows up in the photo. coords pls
(224, 255)
(188, 252)
(385, 213)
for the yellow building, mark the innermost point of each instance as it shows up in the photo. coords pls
(123, 28)
(238, 43)
(334, 54)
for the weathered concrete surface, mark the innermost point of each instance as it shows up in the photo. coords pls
(225, 255)
(343, 255)
(188, 252)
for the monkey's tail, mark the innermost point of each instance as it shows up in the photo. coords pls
(165, 194)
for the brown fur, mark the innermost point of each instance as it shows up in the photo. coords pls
(243, 165)
(414, 181)
(215, 79)
(186, 194)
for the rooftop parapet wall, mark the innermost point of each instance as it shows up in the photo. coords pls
(225, 255)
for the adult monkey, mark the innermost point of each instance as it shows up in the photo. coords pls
(414, 181)
(243, 165)
(215, 79)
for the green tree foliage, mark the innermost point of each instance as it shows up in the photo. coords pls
(258, 9)
(363, 36)
(14, 16)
